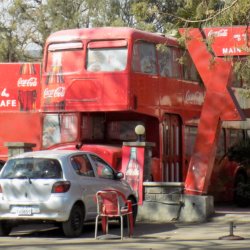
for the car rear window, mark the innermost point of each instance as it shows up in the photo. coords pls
(35, 168)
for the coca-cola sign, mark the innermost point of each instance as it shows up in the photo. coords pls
(31, 82)
(218, 33)
(230, 41)
(195, 98)
(55, 93)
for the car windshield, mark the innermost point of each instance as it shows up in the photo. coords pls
(35, 168)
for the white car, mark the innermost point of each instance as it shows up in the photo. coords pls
(56, 186)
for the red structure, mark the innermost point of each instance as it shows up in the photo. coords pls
(98, 84)
(115, 79)
(19, 104)
(219, 104)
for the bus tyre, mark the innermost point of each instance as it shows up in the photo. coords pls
(241, 195)
(5, 228)
(74, 225)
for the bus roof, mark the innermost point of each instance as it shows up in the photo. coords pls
(108, 33)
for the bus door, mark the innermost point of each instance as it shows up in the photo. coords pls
(172, 155)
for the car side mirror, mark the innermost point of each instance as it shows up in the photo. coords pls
(119, 175)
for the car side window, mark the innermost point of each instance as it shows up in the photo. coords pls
(103, 170)
(82, 165)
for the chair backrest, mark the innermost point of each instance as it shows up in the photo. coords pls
(108, 203)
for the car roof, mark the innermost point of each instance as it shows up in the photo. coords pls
(49, 154)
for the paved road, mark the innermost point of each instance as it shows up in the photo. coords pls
(146, 236)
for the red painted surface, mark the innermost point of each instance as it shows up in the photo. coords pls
(20, 86)
(229, 41)
(120, 95)
(19, 105)
(125, 90)
(133, 168)
(219, 105)
(166, 105)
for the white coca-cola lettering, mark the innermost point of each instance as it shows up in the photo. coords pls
(196, 98)
(219, 33)
(58, 92)
(31, 82)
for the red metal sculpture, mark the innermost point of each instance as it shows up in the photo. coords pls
(220, 103)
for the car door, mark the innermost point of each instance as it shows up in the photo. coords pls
(87, 183)
(106, 175)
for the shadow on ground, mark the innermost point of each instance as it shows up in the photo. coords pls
(50, 231)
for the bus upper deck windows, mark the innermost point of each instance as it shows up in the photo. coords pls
(148, 65)
(106, 59)
(95, 60)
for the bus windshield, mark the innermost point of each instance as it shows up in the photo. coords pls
(107, 56)
(59, 54)
(59, 128)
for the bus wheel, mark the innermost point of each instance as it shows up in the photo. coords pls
(241, 191)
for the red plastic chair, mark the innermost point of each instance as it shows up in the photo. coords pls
(108, 206)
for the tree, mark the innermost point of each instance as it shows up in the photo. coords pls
(220, 13)
(26, 24)
(168, 16)
(31, 21)
(153, 15)
(10, 47)
(110, 13)
(35, 20)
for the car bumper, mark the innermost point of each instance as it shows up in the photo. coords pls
(55, 209)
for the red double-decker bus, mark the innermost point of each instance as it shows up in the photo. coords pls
(98, 84)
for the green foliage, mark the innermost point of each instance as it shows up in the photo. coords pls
(211, 13)
(29, 22)
(242, 70)
(156, 15)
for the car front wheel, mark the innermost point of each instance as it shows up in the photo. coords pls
(74, 225)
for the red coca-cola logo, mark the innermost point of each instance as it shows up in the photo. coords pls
(58, 92)
(31, 82)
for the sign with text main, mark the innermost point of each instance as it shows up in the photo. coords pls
(229, 41)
